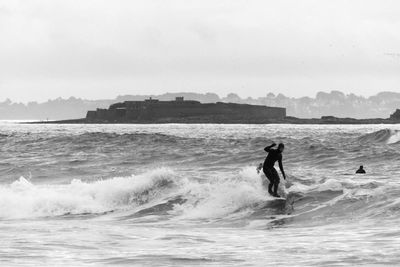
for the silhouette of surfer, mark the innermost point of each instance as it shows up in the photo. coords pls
(269, 170)
(361, 170)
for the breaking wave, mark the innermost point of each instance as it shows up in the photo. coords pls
(23, 199)
(164, 194)
(382, 136)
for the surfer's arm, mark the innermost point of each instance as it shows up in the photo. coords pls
(281, 168)
(268, 148)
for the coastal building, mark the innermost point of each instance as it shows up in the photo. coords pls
(180, 110)
(396, 115)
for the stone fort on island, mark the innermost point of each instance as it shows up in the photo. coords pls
(185, 111)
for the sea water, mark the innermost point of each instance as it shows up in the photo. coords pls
(190, 195)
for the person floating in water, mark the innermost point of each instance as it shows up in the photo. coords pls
(269, 170)
(361, 170)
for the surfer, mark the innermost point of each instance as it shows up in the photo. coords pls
(361, 170)
(269, 170)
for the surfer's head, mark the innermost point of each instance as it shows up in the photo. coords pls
(281, 147)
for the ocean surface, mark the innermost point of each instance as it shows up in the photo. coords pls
(189, 195)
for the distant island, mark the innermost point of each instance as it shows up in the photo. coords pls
(184, 111)
(190, 111)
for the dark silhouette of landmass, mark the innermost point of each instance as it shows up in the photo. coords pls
(335, 104)
(219, 112)
(184, 111)
(396, 115)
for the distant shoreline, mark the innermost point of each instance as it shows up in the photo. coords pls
(288, 120)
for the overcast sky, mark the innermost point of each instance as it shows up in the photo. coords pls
(101, 49)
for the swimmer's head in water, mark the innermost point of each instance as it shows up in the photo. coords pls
(281, 147)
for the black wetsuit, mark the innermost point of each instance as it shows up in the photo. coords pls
(360, 171)
(269, 170)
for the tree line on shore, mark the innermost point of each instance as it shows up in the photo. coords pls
(334, 103)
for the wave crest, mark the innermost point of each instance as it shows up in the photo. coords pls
(23, 199)
(382, 136)
(162, 194)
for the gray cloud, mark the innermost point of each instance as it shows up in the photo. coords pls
(102, 48)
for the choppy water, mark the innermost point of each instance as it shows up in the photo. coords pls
(189, 195)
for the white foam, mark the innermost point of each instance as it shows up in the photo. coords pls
(224, 196)
(211, 198)
(23, 199)
(394, 138)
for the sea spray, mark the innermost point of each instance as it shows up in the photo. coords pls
(22, 199)
(221, 196)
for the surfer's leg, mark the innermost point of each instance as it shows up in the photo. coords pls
(276, 182)
(276, 185)
(270, 188)
(270, 177)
